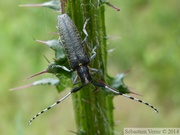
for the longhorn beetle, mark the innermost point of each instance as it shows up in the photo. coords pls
(79, 60)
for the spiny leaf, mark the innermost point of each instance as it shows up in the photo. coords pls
(109, 4)
(44, 81)
(53, 4)
(57, 47)
(118, 84)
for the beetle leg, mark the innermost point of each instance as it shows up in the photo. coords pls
(62, 67)
(75, 80)
(94, 70)
(94, 53)
(84, 30)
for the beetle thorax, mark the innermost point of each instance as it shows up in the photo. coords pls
(84, 75)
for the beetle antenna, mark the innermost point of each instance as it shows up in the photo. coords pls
(104, 85)
(57, 102)
(132, 98)
(48, 108)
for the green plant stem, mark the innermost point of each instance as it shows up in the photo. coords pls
(93, 108)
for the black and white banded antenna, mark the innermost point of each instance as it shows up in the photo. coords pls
(104, 85)
(57, 102)
(48, 108)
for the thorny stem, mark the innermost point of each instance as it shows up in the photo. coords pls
(93, 110)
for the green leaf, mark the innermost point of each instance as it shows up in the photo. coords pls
(44, 81)
(118, 84)
(56, 45)
(53, 4)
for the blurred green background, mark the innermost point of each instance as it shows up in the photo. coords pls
(145, 36)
